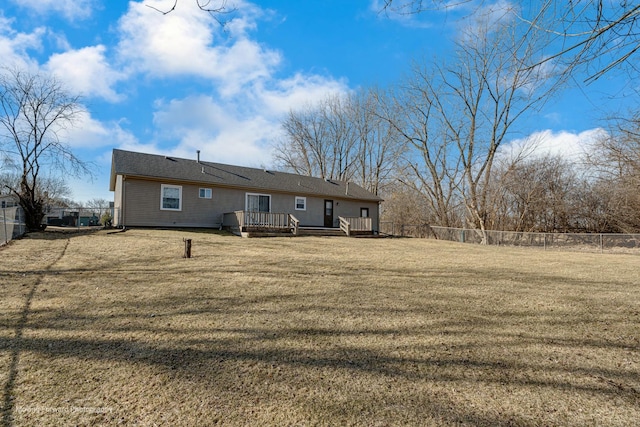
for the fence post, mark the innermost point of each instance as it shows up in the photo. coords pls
(23, 226)
(4, 222)
(601, 243)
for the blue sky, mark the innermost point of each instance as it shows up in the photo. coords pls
(179, 83)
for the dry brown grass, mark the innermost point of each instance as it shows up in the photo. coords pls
(121, 330)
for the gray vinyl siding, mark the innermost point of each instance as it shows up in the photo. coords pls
(314, 214)
(142, 205)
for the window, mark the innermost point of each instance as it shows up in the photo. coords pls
(258, 202)
(301, 203)
(364, 212)
(328, 208)
(205, 193)
(170, 197)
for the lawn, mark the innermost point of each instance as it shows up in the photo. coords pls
(119, 329)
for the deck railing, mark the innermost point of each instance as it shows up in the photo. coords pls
(355, 225)
(245, 220)
(242, 221)
(294, 224)
(265, 220)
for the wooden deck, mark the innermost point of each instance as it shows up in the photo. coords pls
(267, 224)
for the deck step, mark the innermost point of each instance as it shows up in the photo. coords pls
(319, 231)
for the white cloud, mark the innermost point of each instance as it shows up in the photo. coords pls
(570, 145)
(483, 18)
(189, 42)
(407, 13)
(70, 9)
(297, 92)
(15, 45)
(90, 133)
(240, 130)
(86, 71)
(496, 11)
(464, 14)
(553, 117)
(59, 40)
(218, 130)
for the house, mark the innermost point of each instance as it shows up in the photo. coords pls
(8, 201)
(162, 191)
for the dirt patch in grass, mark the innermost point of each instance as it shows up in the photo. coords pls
(121, 330)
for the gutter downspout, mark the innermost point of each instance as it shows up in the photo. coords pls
(378, 218)
(122, 200)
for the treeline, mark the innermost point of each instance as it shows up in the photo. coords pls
(434, 146)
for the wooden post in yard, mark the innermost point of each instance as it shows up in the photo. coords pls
(187, 248)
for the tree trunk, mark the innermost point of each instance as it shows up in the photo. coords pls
(33, 213)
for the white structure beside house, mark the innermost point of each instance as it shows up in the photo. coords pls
(8, 201)
(162, 191)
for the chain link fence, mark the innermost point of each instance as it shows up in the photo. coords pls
(587, 242)
(78, 217)
(11, 224)
(12, 221)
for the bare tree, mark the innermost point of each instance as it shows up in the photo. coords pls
(8, 179)
(378, 151)
(431, 164)
(456, 115)
(616, 160)
(492, 87)
(409, 7)
(97, 203)
(34, 110)
(535, 194)
(342, 138)
(403, 206)
(216, 8)
(318, 141)
(101, 209)
(598, 34)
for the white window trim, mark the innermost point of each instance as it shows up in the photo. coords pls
(206, 190)
(162, 187)
(304, 202)
(246, 199)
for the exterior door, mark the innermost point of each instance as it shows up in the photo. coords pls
(328, 213)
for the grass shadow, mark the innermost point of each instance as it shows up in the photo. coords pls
(17, 344)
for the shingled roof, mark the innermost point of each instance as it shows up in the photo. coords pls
(141, 165)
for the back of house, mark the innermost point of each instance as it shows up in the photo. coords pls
(163, 191)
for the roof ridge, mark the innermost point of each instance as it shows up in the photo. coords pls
(149, 165)
(205, 162)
